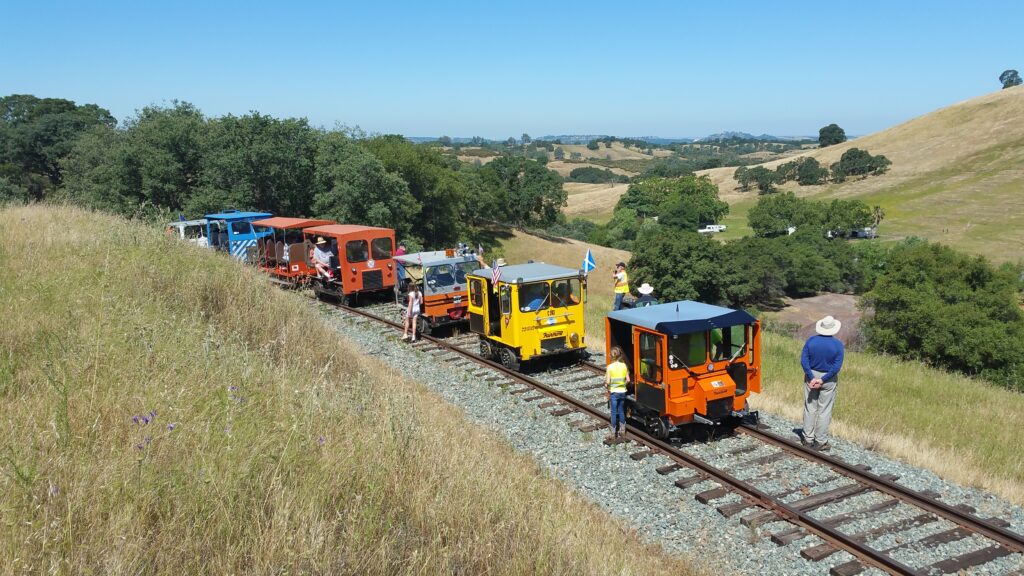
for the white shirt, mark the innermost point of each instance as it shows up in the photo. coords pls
(322, 256)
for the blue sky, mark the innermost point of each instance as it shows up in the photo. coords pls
(501, 69)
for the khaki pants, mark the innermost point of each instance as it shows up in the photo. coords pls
(818, 409)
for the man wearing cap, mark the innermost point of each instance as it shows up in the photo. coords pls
(621, 284)
(822, 358)
(646, 298)
(322, 258)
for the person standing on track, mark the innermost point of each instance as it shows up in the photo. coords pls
(616, 379)
(414, 299)
(621, 284)
(822, 358)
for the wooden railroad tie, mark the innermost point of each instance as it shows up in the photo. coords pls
(668, 468)
(642, 454)
(691, 480)
(561, 412)
(810, 502)
(713, 494)
(794, 533)
(533, 398)
(822, 551)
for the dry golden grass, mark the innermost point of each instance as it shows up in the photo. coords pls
(289, 452)
(564, 168)
(616, 152)
(956, 176)
(592, 200)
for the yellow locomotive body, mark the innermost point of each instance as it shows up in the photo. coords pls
(532, 310)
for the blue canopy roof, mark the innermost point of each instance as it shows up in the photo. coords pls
(236, 215)
(684, 317)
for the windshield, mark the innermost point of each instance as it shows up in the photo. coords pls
(380, 248)
(728, 343)
(464, 268)
(440, 275)
(566, 292)
(690, 349)
(534, 297)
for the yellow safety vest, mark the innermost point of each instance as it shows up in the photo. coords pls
(617, 373)
(624, 287)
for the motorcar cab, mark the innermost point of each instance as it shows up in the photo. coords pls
(361, 260)
(442, 276)
(231, 231)
(688, 362)
(527, 311)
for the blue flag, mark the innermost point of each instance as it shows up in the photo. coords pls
(588, 262)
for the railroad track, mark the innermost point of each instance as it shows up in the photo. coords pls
(576, 392)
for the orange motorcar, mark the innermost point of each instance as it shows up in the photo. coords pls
(688, 363)
(441, 275)
(361, 260)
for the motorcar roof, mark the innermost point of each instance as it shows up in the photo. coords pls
(531, 272)
(345, 229)
(237, 215)
(683, 317)
(180, 223)
(433, 258)
(282, 222)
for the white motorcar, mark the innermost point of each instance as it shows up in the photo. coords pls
(193, 231)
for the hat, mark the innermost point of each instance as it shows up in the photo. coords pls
(645, 288)
(828, 326)
(320, 240)
(623, 264)
(500, 262)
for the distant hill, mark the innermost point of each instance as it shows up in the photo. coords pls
(747, 136)
(956, 177)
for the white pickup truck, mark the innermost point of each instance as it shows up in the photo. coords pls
(711, 228)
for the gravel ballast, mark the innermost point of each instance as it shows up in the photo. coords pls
(660, 511)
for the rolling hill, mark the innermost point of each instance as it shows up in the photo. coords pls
(956, 177)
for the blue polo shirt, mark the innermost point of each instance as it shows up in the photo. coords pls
(823, 354)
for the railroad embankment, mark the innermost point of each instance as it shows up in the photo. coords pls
(168, 411)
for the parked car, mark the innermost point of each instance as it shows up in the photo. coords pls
(711, 228)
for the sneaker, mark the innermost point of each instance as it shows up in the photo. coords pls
(822, 447)
(807, 443)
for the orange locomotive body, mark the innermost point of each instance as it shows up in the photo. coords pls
(284, 252)
(441, 275)
(688, 363)
(361, 260)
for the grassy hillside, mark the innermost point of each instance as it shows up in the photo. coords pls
(956, 176)
(959, 428)
(592, 201)
(166, 411)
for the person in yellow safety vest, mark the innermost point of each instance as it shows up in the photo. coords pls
(621, 284)
(616, 379)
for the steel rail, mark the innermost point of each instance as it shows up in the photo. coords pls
(1010, 540)
(862, 552)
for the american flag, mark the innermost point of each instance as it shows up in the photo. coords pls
(495, 273)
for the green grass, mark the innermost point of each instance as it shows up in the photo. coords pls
(736, 220)
(274, 448)
(961, 428)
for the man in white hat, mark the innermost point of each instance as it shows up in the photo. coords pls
(822, 358)
(646, 298)
(322, 258)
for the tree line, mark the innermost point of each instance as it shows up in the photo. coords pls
(170, 160)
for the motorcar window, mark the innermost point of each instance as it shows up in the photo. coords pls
(476, 291)
(355, 251)
(650, 364)
(506, 300)
(380, 248)
(534, 297)
(241, 227)
(440, 275)
(463, 269)
(690, 349)
(566, 292)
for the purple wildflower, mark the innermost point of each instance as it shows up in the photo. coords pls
(140, 446)
(54, 490)
(135, 419)
(145, 420)
(321, 440)
(149, 439)
(152, 414)
(232, 388)
(172, 425)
